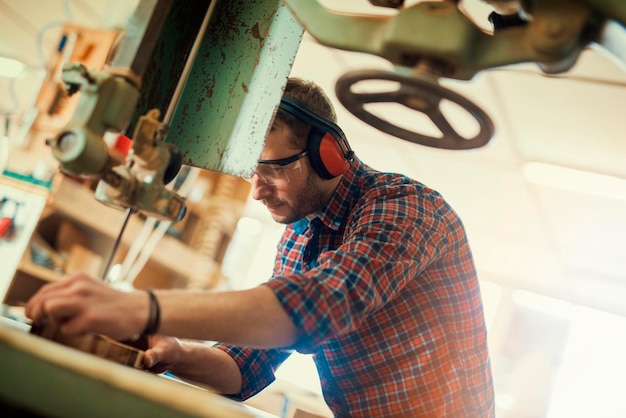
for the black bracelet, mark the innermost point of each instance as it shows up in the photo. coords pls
(154, 315)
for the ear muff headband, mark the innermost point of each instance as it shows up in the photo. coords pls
(329, 151)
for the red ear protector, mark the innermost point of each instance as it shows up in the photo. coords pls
(329, 151)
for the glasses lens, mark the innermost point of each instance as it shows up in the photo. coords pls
(274, 174)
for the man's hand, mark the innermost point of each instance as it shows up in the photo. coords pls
(82, 305)
(162, 354)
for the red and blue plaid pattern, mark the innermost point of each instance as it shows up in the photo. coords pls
(382, 286)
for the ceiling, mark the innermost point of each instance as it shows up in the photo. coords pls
(543, 238)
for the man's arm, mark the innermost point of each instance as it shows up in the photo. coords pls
(196, 362)
(252, 318)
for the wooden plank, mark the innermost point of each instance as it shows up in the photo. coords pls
(50, 379)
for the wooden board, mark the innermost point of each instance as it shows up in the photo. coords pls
(98, 345)
(50, 379)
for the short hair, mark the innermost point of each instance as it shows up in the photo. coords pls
(312, 96)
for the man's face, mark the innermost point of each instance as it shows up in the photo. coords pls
(295, 191)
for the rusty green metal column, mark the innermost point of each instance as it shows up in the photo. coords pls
(234, 87)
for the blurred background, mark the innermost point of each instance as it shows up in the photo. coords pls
(544, 202)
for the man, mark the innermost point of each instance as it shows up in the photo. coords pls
(373, 276)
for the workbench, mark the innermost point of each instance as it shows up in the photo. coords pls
(42, 378)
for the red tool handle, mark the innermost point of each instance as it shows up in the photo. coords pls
(5, 226)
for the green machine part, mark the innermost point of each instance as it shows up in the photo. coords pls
(234, 83)
(216, 71)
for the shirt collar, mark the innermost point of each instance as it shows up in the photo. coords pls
(334, 212)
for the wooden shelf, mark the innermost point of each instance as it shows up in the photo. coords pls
(76, 201)
(78, 233)
(35, 270)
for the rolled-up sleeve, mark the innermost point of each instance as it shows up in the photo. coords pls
(257, 367)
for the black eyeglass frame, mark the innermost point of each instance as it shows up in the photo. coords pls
(285, 161)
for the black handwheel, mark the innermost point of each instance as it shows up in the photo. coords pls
(422, 95)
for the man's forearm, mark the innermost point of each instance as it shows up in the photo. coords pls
(203, 365)
(252, 318)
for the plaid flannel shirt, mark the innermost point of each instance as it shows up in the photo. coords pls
(382, 287)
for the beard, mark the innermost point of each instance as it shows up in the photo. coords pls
(309, 201)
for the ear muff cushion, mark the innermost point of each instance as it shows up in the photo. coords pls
(332, 156)
(326, 155)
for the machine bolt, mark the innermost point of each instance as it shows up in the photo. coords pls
(66, 141)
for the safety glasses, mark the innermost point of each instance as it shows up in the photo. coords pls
(277, 172)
